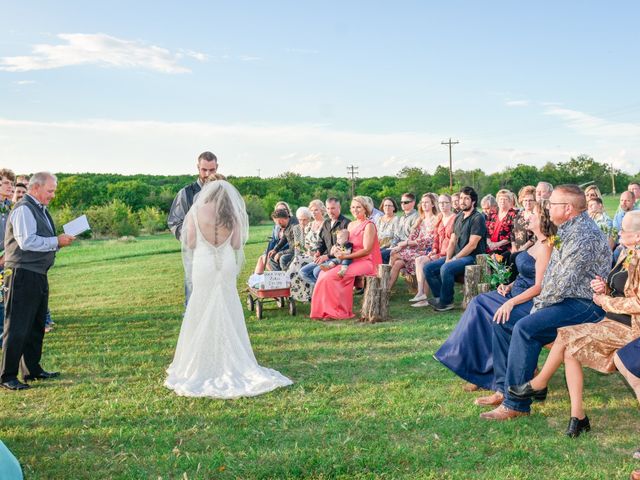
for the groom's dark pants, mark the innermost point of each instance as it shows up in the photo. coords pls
(25, 311)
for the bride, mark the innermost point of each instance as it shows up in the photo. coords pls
(214, 357)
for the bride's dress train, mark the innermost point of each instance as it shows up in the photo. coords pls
(214, 357)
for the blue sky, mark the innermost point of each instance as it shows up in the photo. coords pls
(143, 87)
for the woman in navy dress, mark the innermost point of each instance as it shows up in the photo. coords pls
(468, 351)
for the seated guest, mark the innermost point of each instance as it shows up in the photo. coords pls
(333, 294)
(387, 226)
(276, 235)
(595, 208)
(455, 203)
(488, 205)
(591, 192)
(627, 204)
(468, 350)
(306, 237)
(500, 224)
(543, 191)
(281, 254)
(467, 241)
(580, 253)
(375, 213)
(442, 235)
(407, 220)
(521, 236)
(419, 242)
(330, 228)
(594, 345)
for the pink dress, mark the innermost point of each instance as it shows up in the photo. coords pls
(333, 296)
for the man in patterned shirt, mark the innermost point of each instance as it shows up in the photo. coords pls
(580, 252)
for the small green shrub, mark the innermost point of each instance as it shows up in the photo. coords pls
(113, 219)
(152, 219)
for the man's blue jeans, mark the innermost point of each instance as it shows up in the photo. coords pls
(441, 276)
(385, 253)
(517, 344)
(309, 273)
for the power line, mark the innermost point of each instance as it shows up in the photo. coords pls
(450, 143)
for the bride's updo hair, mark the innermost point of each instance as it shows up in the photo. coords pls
(213, 177)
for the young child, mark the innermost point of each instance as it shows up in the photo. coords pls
(343, 245)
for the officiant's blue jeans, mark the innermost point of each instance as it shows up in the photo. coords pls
(517, 343)
(441, 276)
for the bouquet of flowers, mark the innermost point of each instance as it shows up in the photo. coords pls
(500, 273)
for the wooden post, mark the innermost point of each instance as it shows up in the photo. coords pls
(472, 277)
(481, 260)
(484, 288)
(375, 305)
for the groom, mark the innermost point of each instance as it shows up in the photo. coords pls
(207, 166)
(30, 249)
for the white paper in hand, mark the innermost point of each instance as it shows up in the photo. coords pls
(77, 226)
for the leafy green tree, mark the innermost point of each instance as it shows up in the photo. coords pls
(132, 192)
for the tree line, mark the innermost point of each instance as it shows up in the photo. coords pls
(154, 193)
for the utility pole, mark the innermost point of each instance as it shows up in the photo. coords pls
(352, 171)
(613, 180)
(258, 173)
(450, 143)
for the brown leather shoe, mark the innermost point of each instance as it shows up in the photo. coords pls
(470, 387)
(490, 401)
(635, 475)
(502, 413)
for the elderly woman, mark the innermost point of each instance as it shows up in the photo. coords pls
(488, 205)
(468, 351)
(443, 231)
(500, 224)
(595, 344)
(311, 219)
(521, 237)
(419, 242)
(333, 294)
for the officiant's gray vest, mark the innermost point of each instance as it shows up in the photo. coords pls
(15, 257)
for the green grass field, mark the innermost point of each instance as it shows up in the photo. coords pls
(369, 401)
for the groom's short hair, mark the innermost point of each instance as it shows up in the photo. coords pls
(332, 200)
(208, 157)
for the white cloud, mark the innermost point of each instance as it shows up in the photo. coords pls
(302, 51)
(591, 125)
(98, 49)
(25, 82)
(517, 103)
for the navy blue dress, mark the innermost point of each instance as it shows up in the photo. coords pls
(468, 352)
(630, 356)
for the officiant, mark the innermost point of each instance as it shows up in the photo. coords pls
(30, 248)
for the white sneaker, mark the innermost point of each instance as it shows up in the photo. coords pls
(422, 303)
(419, 297)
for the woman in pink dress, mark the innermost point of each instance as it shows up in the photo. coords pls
(333, 295)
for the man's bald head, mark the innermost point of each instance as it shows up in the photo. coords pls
(627, 200)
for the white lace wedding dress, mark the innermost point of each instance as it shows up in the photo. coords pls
(214, 357)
